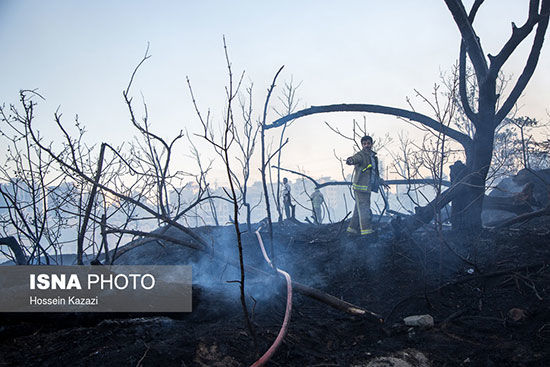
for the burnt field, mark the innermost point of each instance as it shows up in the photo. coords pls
(488, 295)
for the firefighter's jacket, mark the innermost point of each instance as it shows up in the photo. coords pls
(366, 176)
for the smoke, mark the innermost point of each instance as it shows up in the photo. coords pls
(216, 276)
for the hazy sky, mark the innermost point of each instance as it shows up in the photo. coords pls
(80, 55)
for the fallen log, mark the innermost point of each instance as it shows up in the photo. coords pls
(518, 203)
(335, 302)
(506, 204)
(424, 214)
(521, 218)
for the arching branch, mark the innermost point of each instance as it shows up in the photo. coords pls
(461, 138)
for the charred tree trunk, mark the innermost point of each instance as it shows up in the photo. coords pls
(458, 171)
(477, 164)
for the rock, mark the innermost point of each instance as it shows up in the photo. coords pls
(517, 314)
(425, 321)
(404, 358)
(211, 356)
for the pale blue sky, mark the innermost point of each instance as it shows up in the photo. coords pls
(80, 54)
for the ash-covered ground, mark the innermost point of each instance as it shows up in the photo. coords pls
(488, 295)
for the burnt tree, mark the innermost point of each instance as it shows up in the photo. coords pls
(486, 116)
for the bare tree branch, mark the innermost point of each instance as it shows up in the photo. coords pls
(469, 37)
(531, 63)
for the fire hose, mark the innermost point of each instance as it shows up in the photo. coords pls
(267, 355)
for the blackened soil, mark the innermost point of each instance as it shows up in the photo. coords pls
(489, 295)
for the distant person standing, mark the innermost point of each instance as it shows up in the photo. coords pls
(286, 198)
(317, 201)
(366, 178)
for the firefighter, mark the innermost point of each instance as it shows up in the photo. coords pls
(317, 201)
(366, 179)
(286, 198)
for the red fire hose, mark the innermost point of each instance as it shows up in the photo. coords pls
(267, 355)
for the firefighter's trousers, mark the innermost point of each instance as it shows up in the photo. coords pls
(361, 220)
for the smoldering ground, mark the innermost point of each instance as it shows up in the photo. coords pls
(328, 253)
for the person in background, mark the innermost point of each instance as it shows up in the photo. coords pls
(317, 201)
(286, 198)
